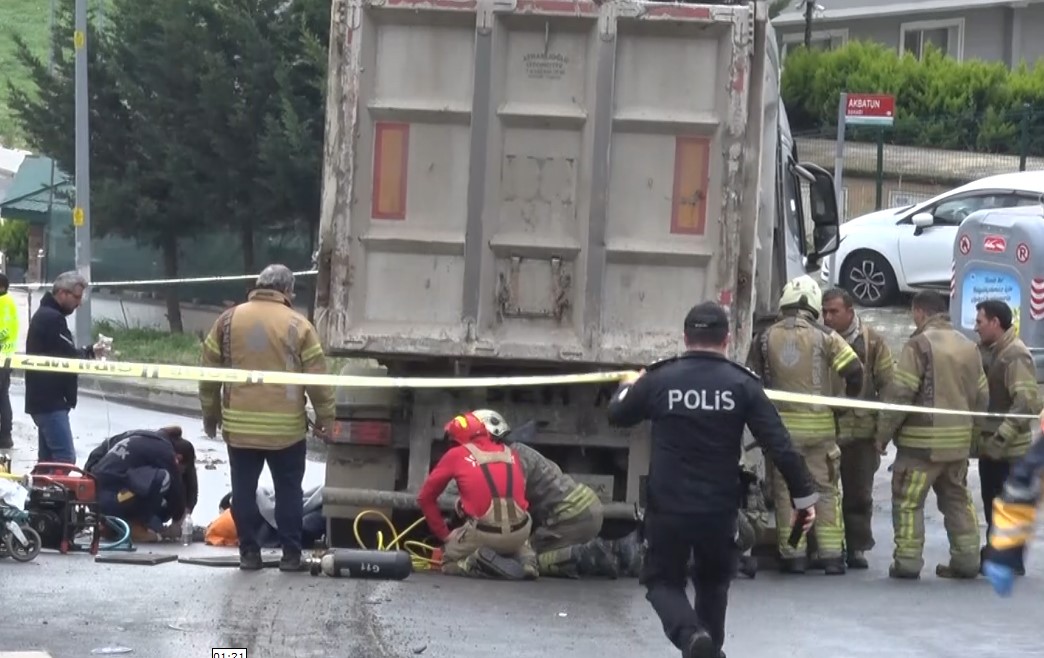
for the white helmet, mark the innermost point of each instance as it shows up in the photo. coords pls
(804, 292)
(495, 424)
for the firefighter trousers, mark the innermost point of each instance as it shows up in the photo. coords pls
(859, 463)
(823, 462)
(912, 477)
(468, 538)
(555, 541)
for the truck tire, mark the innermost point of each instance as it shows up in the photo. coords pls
(869, 278)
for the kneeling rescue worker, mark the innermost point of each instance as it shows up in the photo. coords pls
(799, 355)
(699, 404)
(140, 481)
(566, 515)
(494, 538)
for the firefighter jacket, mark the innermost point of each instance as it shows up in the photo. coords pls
(937, 368)
(553, 496)
(264, 333)
(1012, 380)
(799, 355)
(878, 368)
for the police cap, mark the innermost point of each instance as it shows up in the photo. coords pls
(707, 315)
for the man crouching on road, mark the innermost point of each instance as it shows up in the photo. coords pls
(856, 427)
(566, 514)
(140, 480)
(266, 422)
(495, 534)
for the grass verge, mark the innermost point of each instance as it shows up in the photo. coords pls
(150, 345)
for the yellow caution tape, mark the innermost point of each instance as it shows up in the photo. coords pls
(96, 368)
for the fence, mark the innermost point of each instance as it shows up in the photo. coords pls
(886, 167)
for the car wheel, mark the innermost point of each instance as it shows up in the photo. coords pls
(869, 278)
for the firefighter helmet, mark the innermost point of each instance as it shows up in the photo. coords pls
(495, 424)
(803, 292)
(464, 428)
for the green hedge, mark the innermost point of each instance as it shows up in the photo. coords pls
(940, 102)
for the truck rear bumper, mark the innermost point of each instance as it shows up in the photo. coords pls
(407, 501)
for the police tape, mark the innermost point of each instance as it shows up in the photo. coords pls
(162, 282)
(158, 371)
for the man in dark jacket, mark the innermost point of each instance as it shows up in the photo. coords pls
(182, 446)
(140, 481)
(49, 396)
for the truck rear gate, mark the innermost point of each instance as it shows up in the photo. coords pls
(531, 183)
(541, 180)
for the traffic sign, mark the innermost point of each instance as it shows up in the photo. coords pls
(870, 109)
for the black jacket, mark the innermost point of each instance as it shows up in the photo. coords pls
(189, 479)
(49, 335)
(699, 403)
(145, 464)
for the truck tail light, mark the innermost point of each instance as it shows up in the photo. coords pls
(361, 432)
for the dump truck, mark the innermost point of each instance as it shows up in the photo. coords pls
(534, 187)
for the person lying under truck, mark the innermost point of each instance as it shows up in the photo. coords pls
(183, 446)
(566, 514)
(494, 538)
(222, 530)
(140, 481)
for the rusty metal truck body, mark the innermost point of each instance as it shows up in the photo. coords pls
(544, 186)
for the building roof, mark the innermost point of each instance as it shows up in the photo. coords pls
(29, 192)
(842, 10)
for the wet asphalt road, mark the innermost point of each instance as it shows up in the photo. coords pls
(71, 606)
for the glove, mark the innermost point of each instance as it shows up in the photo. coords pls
(993, 447)
(210, 427)
(1001, 577)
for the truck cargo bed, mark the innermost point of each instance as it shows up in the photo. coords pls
(540, 180)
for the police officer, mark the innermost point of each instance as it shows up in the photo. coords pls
(699, 403)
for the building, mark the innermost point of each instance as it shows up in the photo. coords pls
(992, 30)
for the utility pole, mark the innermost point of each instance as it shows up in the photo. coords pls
(82, 211)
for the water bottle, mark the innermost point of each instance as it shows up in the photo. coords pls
(186, 530)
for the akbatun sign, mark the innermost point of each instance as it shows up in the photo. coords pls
(870, 109)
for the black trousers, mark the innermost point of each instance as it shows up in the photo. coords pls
(710, 540)
(287, 467)
(6, 415)
(992, 474)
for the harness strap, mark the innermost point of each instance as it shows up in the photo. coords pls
(501, 504)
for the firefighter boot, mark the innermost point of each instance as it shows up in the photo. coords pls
(857, 560)
(797, 565)
(560, 563)
(833, 566)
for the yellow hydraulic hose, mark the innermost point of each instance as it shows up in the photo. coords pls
(423, 556)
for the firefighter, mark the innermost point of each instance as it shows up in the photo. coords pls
(1014, 517)
(856, 427)
(799, 355)
(261, 422)
(565, 514)
(1012, 380)
(938, 367)
(492, 484)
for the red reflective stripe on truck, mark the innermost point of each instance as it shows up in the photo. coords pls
(362, 432)
(557, 7)
(691, 167)
(460, 5)
(391, 143)
(688, 12)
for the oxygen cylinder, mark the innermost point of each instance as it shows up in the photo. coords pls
(356, 563)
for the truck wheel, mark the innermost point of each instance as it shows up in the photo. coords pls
(869, 278)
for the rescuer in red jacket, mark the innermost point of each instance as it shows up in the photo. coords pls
(492, 501)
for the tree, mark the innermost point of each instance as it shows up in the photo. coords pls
(205, 114)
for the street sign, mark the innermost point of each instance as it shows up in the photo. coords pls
(869, 109)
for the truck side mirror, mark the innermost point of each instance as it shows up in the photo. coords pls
(826, 220)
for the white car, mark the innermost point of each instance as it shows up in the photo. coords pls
(906, 249)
